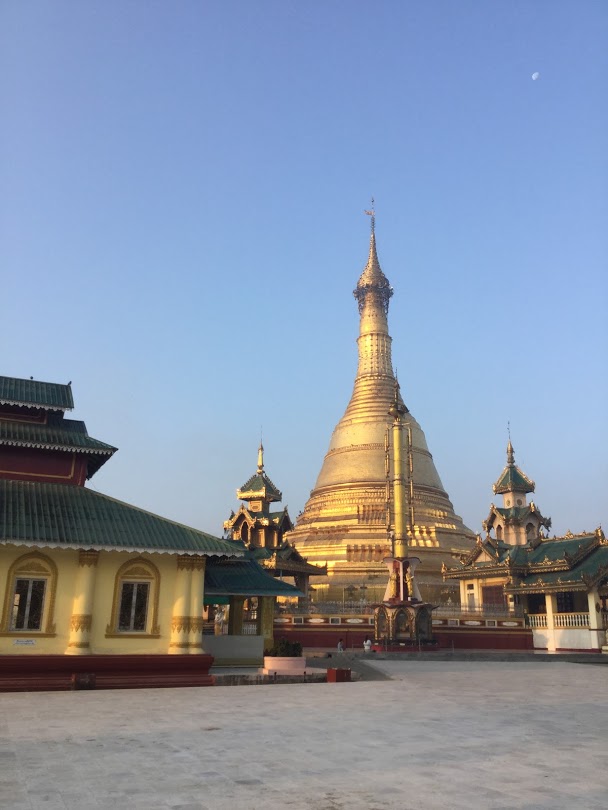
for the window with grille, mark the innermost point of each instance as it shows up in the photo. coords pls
(28, 604)
(133, 611)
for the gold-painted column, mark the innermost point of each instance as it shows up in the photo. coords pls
(82, 607)
(197, 591)
(397, 411)
(266, 620)
(180, 620)
(235, 618)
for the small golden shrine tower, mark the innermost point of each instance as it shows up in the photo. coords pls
(515, 522)
(262, 530)
(254, 524)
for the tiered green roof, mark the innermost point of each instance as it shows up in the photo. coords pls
(512, 479)
(243, 578)
(259, 486)
(561, 563)
(286, 560)
(67, 435)
(63, 516)
(35, 394)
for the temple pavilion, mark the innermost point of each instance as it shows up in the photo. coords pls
(345, 522)
(560, 584)
(91, 586)
(262, 530)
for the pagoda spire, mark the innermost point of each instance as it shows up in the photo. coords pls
(260, 458)
(372, 279)
(373, 293)
(510, 454)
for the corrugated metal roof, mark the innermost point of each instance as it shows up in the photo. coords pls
(60, 515)
(36, 394)
(243, 578)
(69, 434)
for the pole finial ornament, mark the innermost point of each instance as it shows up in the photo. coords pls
(372, 213)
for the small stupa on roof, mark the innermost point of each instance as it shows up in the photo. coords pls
(516, 521)
(262, 529)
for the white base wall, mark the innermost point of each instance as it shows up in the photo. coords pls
(570, 638)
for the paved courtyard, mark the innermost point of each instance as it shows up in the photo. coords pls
(438, 735)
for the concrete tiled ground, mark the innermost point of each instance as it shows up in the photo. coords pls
(439, 735)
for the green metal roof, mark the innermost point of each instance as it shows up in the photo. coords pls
(287, 560)
(512, 479)
(68, 435)
(514, 513)
(588, 568)
(259, 486)
(61, 515)
(243, 578)
(35, 394)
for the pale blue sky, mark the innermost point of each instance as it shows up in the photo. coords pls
(181, 228)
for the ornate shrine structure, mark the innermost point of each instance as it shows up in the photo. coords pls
(345, 521)
(558, 584)
(263, 530)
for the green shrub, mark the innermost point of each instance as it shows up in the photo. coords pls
(283, 648)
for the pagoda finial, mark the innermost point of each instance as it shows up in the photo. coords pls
(372, 213)
(372, 278)
(261, 457)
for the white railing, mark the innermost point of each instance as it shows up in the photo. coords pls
(536, 620)
(570, 620)
(249, 629)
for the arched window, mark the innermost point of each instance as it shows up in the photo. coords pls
(29, 603)
(530, 531)
(499, 532)
(245, 533)
(135, 602)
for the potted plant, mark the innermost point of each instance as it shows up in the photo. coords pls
(284, 658)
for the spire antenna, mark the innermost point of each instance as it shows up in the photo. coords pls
(372, 213)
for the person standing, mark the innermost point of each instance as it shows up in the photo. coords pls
(367, 644)
(340, 646)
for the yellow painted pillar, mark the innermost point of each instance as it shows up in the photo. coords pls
(180, 620)
(596, 630)
(266, 620)
(197, 591)
(82, 606)
(235, 618)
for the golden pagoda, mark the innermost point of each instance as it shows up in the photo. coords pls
(346, 521)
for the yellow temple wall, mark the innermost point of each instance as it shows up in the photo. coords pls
(63, 595)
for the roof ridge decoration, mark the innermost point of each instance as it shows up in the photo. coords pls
(372, 278)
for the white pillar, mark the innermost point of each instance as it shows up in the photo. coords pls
(551, 609)
(81, 620)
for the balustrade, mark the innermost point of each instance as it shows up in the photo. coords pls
(570, 620)
(536, 620)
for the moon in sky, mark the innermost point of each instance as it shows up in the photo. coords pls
(535, 76)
